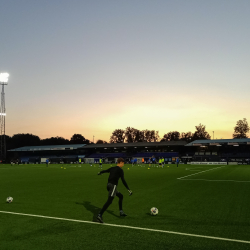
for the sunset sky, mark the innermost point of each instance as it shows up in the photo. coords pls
(91, 67)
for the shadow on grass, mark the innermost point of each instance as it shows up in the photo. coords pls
(94, 209)
(149, 214)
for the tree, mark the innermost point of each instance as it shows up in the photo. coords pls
(21, 140)
(130, 134)
(151, 135)
(100, 142)
(171, 136)
(201, 133)
(117, 136)
(155, 136)
(139, 136)
(241, 129)
(134, 135)
(186, 136)
(8, 141)
(78, 139)
(55, 141)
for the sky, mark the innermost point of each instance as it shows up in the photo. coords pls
(90, 67)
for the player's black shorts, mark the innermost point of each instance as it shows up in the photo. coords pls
(159, 164)
(112, 189)
(100, 164)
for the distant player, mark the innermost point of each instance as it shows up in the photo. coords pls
(115, 173)
(149, 162)
(153, 161)
(135, 161)
(162, 162)
(142, 161)
(132, 162)
(47, 162)
(100, 163)
(159, 162)
(80, 161)
(177, 161)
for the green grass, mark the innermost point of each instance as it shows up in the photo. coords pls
(202, 204)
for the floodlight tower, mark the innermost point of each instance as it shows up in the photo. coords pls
(3, 81)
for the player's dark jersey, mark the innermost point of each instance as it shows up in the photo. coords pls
(115, 173)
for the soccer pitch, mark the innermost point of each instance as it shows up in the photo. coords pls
(200, 207)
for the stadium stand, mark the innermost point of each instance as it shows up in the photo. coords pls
(200, 150)
(55, 153)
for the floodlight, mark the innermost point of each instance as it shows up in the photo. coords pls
(4, 77)
(3, 81)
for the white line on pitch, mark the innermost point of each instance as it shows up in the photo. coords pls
(196, 169)
(211, 180)
(137, 228)
(199, 172)
(193, 169)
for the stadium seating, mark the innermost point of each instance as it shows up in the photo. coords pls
(107, 155)
(139, 155)
(156, 154)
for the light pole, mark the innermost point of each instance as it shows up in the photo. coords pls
(3, 81)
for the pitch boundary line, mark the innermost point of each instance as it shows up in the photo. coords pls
(212, 180)
(124, 226)
(199, 172)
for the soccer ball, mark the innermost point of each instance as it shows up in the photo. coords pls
(154, 211)
(9, 199)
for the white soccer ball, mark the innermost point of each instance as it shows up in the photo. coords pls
(154, 211)
(9, 199)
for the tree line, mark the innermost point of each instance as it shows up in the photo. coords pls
(21, 140)
(128, 135)
(135, 135)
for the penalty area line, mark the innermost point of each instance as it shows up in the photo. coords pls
(199, 173)
(130, 227)
(213, 180)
